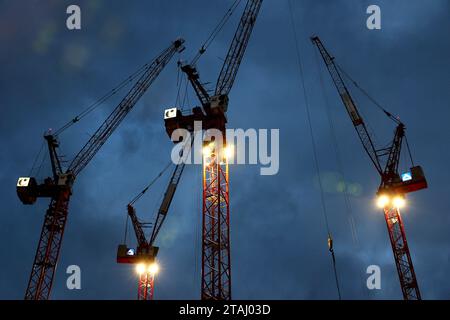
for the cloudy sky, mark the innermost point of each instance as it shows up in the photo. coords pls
(278, 235)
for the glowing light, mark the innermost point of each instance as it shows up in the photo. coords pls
(229, 151)
(382, 201)
(207, 151)
(140, 268)
(153, 268)
(399, 202)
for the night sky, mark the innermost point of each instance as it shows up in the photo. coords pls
(48, 74)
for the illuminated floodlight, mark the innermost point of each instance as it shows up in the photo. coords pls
(229, 151)
(382, 201)
(207, 150)
(153, 268)
(399, 202)
(140, 268)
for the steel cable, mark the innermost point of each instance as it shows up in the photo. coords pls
(313, 142)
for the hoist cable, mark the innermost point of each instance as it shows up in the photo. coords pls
(137, 197)
(409, 151)
(37, 158)
(126, 229)
(186, 95)
(335, 144)
(215, 31)
(179, 81)
(396, 119)
(183, 96)
(104, 98)
(313, 142)
(42, 164)
(334, 268)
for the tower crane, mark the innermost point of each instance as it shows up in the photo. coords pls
(393, 186)
(59, 187)
(145, 255)
(216, 264)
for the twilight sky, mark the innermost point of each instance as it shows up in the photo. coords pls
(48, 74)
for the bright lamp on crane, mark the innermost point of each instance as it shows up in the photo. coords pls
(399, 202)
(153, 268)
(140, 268)
(207, 151)
(382, 201)
(229, 151)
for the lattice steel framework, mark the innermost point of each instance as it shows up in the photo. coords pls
(403, 261)
(216, 264)
(47, 253)
(58, 188)
(146, 286)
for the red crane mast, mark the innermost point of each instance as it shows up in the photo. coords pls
(393, 186)
(216, 258)
(59, 187)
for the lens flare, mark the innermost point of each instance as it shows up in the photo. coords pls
(382, 201)
(153, 268)
(399, 202)
(140, 268)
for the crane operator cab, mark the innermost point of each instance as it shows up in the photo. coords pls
(145, 254)
(406, 182)
(219, 103)
(412, 180)
(28, 190)
(213, 116)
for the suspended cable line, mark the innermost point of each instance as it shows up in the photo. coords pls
(331, 249)
(396, 119)
(126, 229)
(37, 158)
(409, 151)
(391, 116)
(140, 194)
(101, 100)
(105, 97)
(179, 84)
(215, 31)
(339, 162)
(313, 143)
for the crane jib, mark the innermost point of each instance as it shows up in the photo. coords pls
(237, 48)
(351, 109)
(119, 113)
(59, 187)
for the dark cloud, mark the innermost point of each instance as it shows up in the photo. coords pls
(279, 240)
